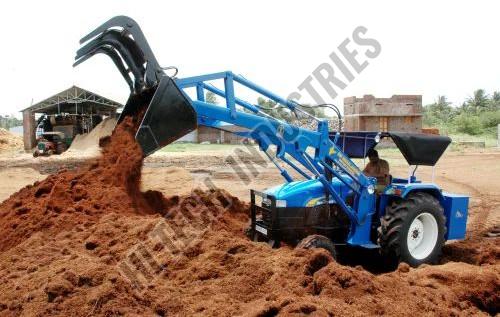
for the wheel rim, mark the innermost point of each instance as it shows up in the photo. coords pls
(422, 236)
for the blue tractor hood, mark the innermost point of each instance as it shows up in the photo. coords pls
(307, 193)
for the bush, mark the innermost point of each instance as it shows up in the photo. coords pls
(469, 124)
(490, 119)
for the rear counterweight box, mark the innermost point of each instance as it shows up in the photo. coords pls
(456, 210)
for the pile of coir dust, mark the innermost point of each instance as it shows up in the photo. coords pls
(89, 242)
(9, 141)
(88, 144)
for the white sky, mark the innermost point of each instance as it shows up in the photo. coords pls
(428, 48)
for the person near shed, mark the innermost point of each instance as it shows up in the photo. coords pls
(379, 169)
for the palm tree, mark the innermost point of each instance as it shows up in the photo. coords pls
(478, 102)
(494, 103)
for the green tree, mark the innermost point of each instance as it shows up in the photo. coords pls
(274, 109)
(439, 112)
(494, 103)
(267, 103)
(281, 112)
(443, 105)
(467, 123)
(210, 97)
(478, 102)
(490, 119)
(318, 112)
(7, 122)
(479, 114)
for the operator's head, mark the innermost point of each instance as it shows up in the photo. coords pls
(372, 155)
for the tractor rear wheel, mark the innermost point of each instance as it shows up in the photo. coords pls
(316, 241)
(412, 230)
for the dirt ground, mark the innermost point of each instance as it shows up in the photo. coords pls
(475, 173)
(57, 259)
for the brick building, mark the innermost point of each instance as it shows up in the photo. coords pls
(214, 136)
(398, 113)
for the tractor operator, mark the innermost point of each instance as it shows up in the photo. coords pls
(379, 169)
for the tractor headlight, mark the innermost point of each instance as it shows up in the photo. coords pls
(371, 189)
(281, 203)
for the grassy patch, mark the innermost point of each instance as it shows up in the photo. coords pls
(489, 139)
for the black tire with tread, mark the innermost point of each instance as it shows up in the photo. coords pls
(315, 241)
(394, 226)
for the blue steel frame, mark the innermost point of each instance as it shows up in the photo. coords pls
(289, 140)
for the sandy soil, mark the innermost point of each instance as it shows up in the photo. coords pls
(88, 242)
(13, 179)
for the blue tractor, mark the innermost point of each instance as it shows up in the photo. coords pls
(330, 202)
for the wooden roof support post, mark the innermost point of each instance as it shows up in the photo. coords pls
(29, 129)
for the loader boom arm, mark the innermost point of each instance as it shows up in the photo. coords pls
(171, 113)
(290, 141)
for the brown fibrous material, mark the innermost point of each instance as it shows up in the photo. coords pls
(70, 242)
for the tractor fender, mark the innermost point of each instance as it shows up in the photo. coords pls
(406, 190)
(428, 188)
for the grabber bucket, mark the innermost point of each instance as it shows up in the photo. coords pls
(169, 114)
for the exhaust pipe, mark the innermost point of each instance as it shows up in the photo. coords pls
(169, 114)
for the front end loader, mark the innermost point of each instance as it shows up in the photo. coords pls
(168, 114)
(333, 203)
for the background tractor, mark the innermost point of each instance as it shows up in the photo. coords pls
(50, 143)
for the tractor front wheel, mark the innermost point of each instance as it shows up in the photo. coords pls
(412, 230)
(315, 241)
